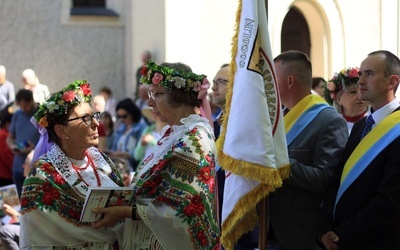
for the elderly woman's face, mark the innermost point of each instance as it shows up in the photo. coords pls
(351, 102)
(79, 133)
(158, 100)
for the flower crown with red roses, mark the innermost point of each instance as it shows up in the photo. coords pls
(153, 73)
(59, 103)
(345, 78)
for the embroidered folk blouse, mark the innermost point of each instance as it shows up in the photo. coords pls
(52, 199)
(175, 191)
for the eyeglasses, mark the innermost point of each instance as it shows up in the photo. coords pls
(122, 116)
(219, 82)
(87, 119)
(154, 95)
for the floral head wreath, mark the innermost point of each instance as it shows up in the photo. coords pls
(153, 73)
(345, 78)
(59, 103)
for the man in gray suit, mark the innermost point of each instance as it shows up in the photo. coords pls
(316, 135)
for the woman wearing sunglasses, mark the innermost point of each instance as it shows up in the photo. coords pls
(128, 132)
(66, 163)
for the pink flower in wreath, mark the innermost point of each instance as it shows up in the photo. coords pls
(331, 86)
(353, 72)
(68, 96)
(197, 86)
(157, 78)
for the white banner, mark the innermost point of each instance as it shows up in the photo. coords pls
(252, 146)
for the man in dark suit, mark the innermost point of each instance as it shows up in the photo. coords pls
(362, 209)
(316, 135)
(220, 88)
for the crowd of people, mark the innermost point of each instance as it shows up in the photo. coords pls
(342, 143)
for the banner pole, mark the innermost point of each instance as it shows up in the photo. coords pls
(263, 224)
(263, 204)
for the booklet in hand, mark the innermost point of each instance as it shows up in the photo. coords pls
(104, 197)
(9, 195)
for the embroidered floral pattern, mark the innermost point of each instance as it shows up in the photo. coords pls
(46, 194)
(46, 189)
(184, 179)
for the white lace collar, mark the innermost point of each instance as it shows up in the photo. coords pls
(188, 123)
(63, 166)
(165, 143)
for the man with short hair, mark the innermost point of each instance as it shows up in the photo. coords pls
(362, 207)
(220, 89)
(316, 135)
(7, 92)
(23, 135)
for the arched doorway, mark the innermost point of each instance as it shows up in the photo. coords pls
(295, 32)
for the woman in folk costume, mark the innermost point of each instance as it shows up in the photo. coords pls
(342, 92)
(65, 163)
(175, 190)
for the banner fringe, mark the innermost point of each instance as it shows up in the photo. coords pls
(243, 216)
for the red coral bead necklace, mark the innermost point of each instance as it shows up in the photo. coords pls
(89, 163)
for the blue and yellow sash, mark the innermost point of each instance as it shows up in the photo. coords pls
(301, 115)
(369, 147)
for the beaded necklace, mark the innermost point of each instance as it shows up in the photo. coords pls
(89, 163)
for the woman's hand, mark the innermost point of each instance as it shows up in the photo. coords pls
(146, 139)
(10, 211)
(329, 240)
(111, 215)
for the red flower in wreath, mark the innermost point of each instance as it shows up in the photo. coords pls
(86, 89)
(143, 71)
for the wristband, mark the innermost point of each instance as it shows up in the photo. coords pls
(133, 216)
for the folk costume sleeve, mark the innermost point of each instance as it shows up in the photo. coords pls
(178, 191)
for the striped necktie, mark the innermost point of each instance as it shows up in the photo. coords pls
(368, 126)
